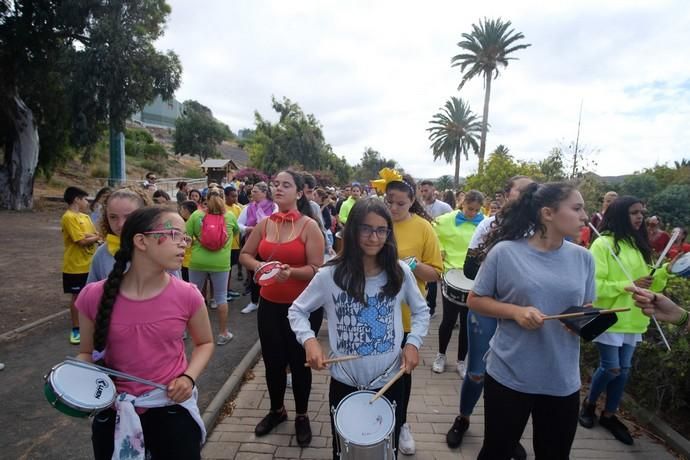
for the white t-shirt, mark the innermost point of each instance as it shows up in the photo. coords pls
(437, 208)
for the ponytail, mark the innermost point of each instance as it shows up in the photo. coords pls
(407, 185)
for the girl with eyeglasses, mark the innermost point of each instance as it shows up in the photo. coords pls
(134, 322)
(211, 263)
(417, 242)
(362, 290)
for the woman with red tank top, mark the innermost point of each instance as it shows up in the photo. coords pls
(292, 237)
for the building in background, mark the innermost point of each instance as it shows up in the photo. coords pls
(159, 114)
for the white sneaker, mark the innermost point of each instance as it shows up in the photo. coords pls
(439, 364)
(222, 339)
(461, 369)
(406, 444)
(2, 366)
(289, 380)
(212, 304)
(249, 308)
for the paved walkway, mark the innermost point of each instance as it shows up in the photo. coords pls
(432, 409)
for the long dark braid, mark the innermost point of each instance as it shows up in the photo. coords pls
(141, 220)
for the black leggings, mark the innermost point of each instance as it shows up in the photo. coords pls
(280, 348)
(337, 392)
(554, 422)
(169, 433)
(451, 310)
(432, 289)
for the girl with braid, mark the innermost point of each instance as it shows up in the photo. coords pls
(133, 322)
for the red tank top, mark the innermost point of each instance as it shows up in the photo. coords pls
(293, 253)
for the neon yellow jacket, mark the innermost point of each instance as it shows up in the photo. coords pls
(611, 281)
(454, 239)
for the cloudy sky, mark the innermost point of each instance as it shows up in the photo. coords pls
(374, 73)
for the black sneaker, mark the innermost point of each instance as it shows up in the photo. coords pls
(520, 453)
(587, 415)
(302, 430)
(457, 431)
(617, 429)
(272, 420)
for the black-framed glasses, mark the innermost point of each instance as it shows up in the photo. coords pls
(175, 235)
(367, 230)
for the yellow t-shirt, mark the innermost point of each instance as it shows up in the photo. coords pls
(75, 227)
(235, 209)
(416, 237)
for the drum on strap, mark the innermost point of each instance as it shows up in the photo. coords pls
(456, 286)
(77, 391)
(681, 266)
(365, 430)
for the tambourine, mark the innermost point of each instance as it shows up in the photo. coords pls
(267, 274)
(681, 266)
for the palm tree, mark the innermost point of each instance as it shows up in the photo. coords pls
(489, 44)
(454, 130)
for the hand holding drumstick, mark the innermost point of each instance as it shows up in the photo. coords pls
(655, 304)
(315, 354)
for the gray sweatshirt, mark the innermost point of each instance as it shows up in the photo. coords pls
(373, 331)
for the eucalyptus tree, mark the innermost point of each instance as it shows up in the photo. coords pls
(487, 47)
(454, 131)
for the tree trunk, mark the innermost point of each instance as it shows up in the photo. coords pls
(485, 123)
(21, 158)
(456, 178)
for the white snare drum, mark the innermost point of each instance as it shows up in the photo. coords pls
(77, 391)
(365, 431)
(681, 266)
(456, 286)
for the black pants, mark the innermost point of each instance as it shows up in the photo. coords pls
(406, 380)
(554, 422)
(432, 290)
(337, 392)
(451, 310)
(169, 433)
(253, 288)
(280, 348)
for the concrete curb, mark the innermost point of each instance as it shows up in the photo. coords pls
(660, 428)
(7, 336)
(230, 386)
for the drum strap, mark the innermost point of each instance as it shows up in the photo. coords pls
(373, 383)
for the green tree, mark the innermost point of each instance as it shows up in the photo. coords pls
(370, 164)
(643, 186)
(119, 68)
(197, 132)
(553, 166)
(487, 47)
(672, 205)
(454, 130)
(500, 167)
(444, 182)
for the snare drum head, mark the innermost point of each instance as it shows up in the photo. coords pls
(82, 388)
(457, 279)
(681, 264)
(362, 423)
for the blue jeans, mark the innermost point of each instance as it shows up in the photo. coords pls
(480, 329)
(611, 375)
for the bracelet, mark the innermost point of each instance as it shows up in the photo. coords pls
(190, 378)
(683, 319)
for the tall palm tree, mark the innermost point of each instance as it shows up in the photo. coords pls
(488, 45)
(454, 130)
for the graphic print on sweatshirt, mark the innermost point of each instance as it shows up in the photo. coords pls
(364, 329)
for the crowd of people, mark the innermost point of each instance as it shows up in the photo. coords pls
(144, 272)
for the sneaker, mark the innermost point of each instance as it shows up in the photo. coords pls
(520, 453)
(587, 415)
(302, 430)
(270, 421)
(439, 364)
(212, 304)
(289, 380)
(224, 338)
(74, 336)
(457, 431)
(461, 369)
(617, 429)
(250, 308)
(406, 444)
(233, 294)
(2, 366)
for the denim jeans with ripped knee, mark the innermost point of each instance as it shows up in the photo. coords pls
(480, 329)
(611, 375)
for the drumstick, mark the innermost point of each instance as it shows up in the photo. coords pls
(625, 272)
(387, 386)
(674, 235)
(594, 312)
(83, 364)
(337, 360)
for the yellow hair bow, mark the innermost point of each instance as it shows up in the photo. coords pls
(387, 175)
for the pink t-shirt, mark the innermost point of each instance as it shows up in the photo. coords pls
(145, 336)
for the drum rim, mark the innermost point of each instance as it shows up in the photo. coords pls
(358, 444)
(682, 257)
(65, 399)
(454, 286)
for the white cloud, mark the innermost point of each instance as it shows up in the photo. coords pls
(374, 73)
